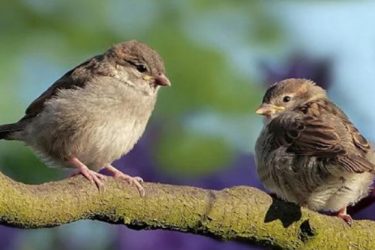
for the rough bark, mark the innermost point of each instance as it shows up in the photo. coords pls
(240, 213)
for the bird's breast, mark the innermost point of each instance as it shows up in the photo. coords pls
(98, 123)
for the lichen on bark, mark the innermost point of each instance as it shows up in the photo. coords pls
(242, 213)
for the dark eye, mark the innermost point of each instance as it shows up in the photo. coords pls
(287, 98)
(141, 68)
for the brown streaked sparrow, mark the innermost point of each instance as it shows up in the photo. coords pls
(95, 113)
(309, 152)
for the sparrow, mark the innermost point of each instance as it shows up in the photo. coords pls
(309, 152)
(95, 113)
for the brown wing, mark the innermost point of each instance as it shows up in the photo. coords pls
(72, 79)
(305, 133)
(358, 139)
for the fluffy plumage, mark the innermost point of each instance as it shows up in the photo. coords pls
(96, 112)
(309, 152)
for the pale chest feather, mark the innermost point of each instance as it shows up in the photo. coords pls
(97, 124)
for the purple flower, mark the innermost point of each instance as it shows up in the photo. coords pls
(300, 66)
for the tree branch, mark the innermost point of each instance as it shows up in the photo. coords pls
(239, 213)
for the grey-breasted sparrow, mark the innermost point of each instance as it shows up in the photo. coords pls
(95, 113)
(309, 152)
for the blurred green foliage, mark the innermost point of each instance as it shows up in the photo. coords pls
(205, 45)
(192, 154)
(41, 40)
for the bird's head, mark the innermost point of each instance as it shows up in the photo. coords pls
(141, 64)
(287, 95)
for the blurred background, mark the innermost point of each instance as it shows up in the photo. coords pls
(220, 56)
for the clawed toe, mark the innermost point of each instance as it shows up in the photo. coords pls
(98, 178)
(346, 217)
(92, 176)
(138, 179)
(135, 181)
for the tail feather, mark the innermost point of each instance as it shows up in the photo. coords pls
(7, 130)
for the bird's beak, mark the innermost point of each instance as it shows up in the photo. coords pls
(268, 109)
(162, 80)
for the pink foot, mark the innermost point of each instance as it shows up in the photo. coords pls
(136, 181)
(92, 176)
(346, 217)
